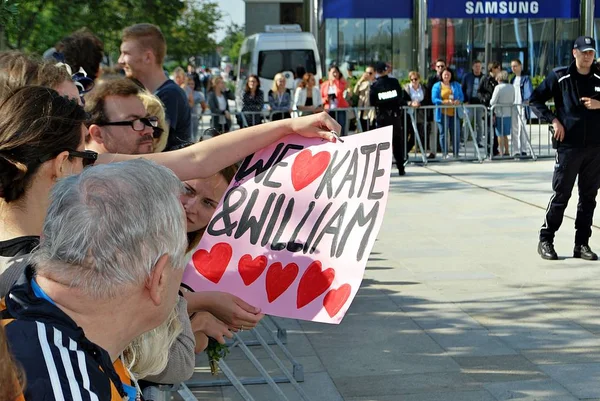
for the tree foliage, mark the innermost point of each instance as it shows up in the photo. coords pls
(232, 42)
(190, 35)
(39, 24)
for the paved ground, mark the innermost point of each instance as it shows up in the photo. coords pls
(456, 305)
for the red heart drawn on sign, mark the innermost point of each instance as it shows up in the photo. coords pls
(251, 269)
(313, 283)
(335, 299)
(307, 168)
(213, 264)
(279, 279)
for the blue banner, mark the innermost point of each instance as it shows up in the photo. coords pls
(503, 8)
(368, 9)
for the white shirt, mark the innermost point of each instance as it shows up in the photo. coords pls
(517, 86)
(300, 97)
(222, 102)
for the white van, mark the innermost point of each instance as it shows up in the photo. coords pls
(282, 48)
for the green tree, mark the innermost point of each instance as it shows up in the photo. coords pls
(187, 24)
(191, 34)
(8, 13)
(232, 42)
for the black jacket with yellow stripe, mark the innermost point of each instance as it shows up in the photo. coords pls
(59, 362)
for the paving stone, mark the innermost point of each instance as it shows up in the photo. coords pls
(435, 396)
(581, 380)
(396, 385)
(503, 368)
(530, 390)
(469, 343)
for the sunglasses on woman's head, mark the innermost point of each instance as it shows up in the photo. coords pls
(88, 157)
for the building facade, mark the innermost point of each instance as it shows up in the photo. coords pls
(412, 34)
(273, 12)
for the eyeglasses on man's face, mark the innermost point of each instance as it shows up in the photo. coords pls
(88, 157)
(440, 66)
(414, 79)
(139, 124)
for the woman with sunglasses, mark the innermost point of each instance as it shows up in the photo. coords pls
(42, 137)
(416, 91)
(362, 89)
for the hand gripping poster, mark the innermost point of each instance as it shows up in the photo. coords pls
(294, 230)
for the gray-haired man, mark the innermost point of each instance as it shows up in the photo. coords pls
(108, 269)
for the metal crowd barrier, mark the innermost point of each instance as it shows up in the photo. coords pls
(474, 126)
(251, 118)
(211, 120)
(460, 129)
(275, 335)
(520, 135)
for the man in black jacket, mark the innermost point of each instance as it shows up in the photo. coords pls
(485, 91)
(440, 64)
(388, 98)
(470, 86)
(575, 125)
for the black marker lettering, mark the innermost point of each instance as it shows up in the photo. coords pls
(366, 150)
(351, 174)
(328, 176)
(273, 184)
(360, 218)
(258, 168)
(288, 147)
(278, 163)
(329, 228)
(272, 220)
(276, 245)
(293, 246)
(377, 172)
(248, 222)
(313, 232)
(225, 213)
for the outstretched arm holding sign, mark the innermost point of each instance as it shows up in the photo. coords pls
(230, 309)
(207, 158)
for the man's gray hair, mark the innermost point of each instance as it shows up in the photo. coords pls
(107, 227)
(502, 76)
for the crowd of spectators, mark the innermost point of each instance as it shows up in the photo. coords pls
(103, 195)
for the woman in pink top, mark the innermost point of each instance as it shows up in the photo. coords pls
(332, 93)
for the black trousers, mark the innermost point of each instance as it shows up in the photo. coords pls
(572, 163)
(398, 137)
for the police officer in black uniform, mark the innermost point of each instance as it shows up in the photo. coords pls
(388, 98)
(575, 123)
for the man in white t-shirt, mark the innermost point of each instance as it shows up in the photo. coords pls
(523, 90)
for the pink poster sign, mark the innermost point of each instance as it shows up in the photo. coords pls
(294, 230)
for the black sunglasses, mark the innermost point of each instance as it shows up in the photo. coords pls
(139, 124)
(88, 157)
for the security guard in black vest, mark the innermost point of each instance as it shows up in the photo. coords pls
(388, 98)
(575, 90)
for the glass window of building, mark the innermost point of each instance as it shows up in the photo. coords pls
(378, 40)
(351, 40)
(331, 41)
(402, 46)
(513, 42)
(567, 30)
(459, 45)
(437, 41)
(540, 47)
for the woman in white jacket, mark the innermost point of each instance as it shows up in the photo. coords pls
(307, 99)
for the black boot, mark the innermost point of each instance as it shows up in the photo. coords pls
(546, 250)
(584, 252)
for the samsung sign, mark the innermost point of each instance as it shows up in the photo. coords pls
(503, 8)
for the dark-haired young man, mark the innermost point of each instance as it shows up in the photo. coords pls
(143, 49)
(485, 91)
